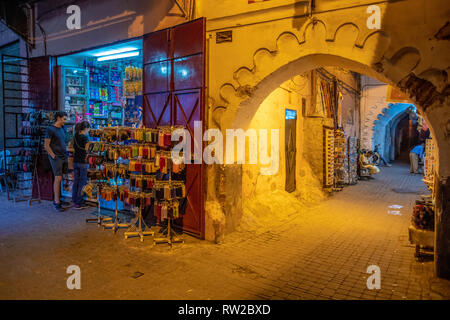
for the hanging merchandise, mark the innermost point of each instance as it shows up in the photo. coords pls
(339, 158)
(329, 158)
(132, 83)
(352, 161)
(430, 163)
(135, 166)
(133, 111)
(23, 158)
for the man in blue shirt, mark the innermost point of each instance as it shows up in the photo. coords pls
(414, 155)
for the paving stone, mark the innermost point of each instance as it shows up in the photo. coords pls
(320, 253)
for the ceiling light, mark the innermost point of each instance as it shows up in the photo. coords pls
(119, 56)
(114, 51)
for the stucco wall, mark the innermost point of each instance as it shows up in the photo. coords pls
(373, 100)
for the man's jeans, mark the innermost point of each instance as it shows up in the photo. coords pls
(79, 181)
(414, 162)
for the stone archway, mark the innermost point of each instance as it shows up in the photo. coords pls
(332, 40)
(384, 122)
(315, 46)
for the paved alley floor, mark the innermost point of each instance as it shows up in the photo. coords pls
(320, 253)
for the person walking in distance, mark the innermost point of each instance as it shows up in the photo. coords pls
(80, 165)
(55, 145)
(414, 155)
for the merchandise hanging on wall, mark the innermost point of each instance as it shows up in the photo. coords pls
(339, 158)
(328, 153)
(430, 163)
(352, 161)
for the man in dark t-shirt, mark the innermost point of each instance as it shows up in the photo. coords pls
(55, 145)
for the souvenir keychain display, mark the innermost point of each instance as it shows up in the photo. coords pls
(141, 157)
(112, 169)
(142, 169)
(167, 206)
(97, 153)
(94, 189)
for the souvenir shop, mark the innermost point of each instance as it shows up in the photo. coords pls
(134, 94)
(102, 86)
(340, 150)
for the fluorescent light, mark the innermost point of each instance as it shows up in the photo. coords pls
(118, 56)
(115, 51)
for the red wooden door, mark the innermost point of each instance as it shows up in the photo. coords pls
(174, 94)
(42, 86)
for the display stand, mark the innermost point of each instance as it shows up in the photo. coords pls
(116, 224)
(138, 231)
(169, 239)
(99, 220)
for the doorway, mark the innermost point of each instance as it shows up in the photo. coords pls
(290, 148)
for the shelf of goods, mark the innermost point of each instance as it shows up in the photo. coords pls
(329, 157)
(22, 160)
(339, 157)
(74, 96)
(105, 95)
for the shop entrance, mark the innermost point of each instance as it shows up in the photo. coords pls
(154, 83)
(406, 137)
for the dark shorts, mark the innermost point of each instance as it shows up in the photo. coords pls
(59, 165)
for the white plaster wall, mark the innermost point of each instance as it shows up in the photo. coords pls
(271, 115)
(373, 100)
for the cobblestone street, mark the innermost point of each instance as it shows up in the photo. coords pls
(320, 253)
